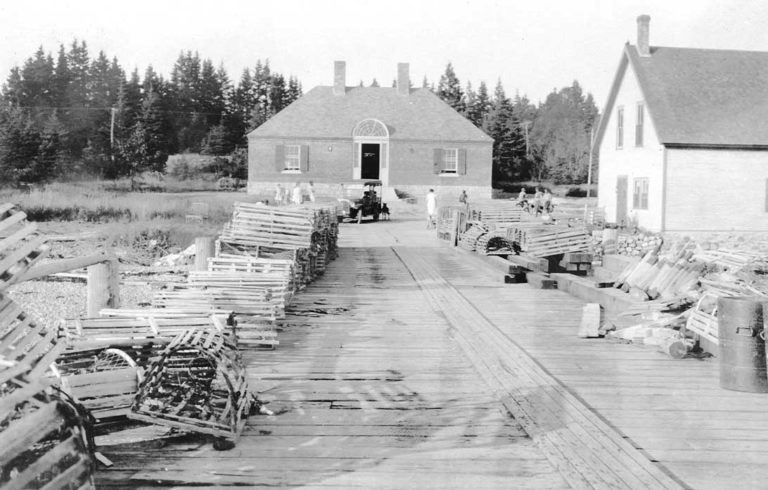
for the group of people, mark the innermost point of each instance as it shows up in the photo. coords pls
(540, 203)
(298, 195)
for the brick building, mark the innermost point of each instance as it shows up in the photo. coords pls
(407, 138)
(684, 139)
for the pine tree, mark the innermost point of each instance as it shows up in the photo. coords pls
(449, 89)
(472, 111)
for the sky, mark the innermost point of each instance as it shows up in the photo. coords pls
(532, 46)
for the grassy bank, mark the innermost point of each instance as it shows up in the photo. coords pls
(157, 220)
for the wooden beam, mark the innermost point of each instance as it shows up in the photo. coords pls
(66, 265)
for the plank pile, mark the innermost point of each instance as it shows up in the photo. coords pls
(260, 225)
(548, 240)
(21, 245)
(500, 215)
(199, 383)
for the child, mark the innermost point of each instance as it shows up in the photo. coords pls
(384, 212)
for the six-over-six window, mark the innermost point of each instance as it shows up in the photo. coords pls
(640, 195)
(292, 157)
(451, 161)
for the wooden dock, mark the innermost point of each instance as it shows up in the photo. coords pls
(412, 365)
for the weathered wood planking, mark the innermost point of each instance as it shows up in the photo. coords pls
(371, 390)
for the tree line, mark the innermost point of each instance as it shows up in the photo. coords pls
(550, 140)
(75, 116)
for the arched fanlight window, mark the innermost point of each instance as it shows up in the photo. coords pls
(370, 128)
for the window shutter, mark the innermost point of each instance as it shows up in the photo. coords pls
(280, 158)
(462, 162)
(356, 155)
(304, 158)
(438, 160)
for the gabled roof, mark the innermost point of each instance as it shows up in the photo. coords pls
(700, 97)
(418, 116)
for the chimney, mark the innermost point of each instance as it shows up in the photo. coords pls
(643, 46)
(339, 77)
(403, 80)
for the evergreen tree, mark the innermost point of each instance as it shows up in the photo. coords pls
(449, 89)
(61, 79)
(473, 111)
(561, 133)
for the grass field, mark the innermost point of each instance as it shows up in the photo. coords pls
(123, 218)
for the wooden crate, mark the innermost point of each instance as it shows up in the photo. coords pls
(702, 318)
(199, 384)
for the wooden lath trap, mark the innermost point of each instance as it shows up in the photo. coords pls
(198, 384)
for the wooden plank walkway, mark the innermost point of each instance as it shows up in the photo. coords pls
(370, 390)
(400, 368)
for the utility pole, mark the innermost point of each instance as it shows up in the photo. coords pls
(589, 170)
(112, 134)
(525, 124)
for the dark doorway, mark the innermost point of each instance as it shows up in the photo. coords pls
(622, 188)
(369, 165)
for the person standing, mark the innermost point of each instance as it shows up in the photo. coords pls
(547, 201)
(278, 195)
(311, 191)
(431, 208)
(464, 199)
(296, 193)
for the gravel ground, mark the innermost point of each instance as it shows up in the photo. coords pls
(49, 302)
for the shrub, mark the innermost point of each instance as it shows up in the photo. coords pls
(576, 192)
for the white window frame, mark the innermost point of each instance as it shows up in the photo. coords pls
(640, 193)
(620, 127)
(640, 125)
(450, 161)
(290, 166)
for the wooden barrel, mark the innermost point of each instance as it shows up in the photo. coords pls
(742, 348)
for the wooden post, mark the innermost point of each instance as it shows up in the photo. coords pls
(103, 287)
(204, 249)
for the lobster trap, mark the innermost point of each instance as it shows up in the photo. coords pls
(198, 384)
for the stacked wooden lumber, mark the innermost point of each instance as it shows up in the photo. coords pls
(500, 213)
(548, 240)
(468, 239)
(199, 384)
(276, 285)
(256, 224)
(21, 245)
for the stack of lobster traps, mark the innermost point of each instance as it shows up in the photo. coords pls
(45, 436)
